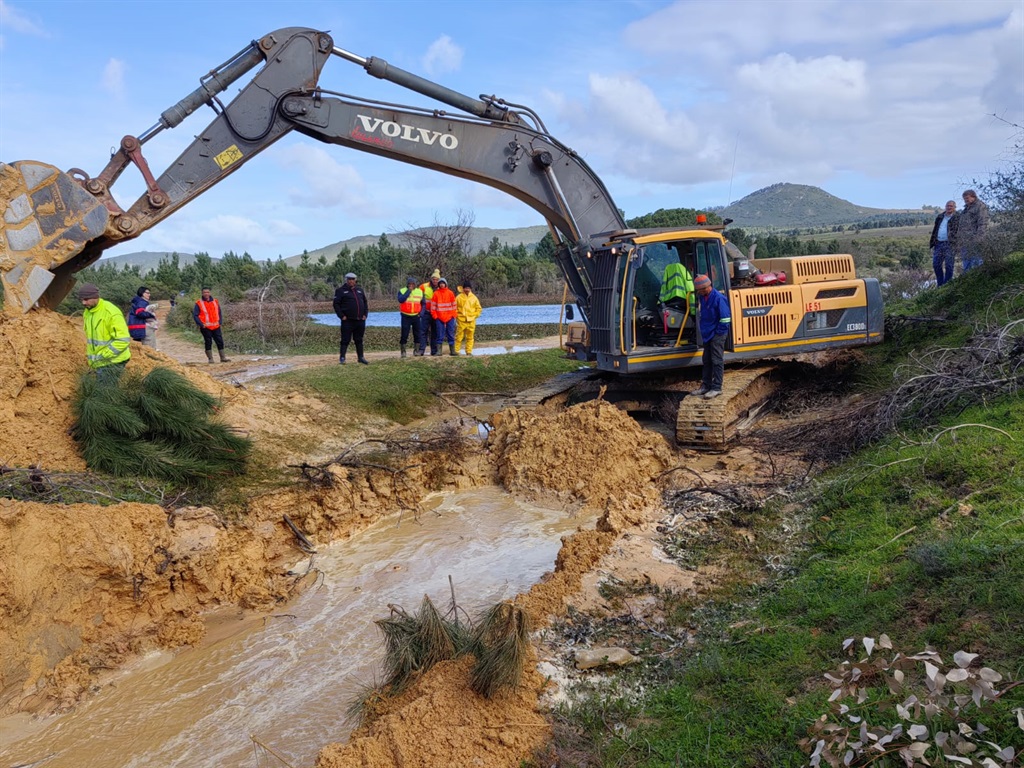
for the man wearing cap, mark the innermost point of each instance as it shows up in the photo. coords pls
(410, 304)
(468, 309)
(351, 307)
(443, 309)
(427, 329)
(106, 334)
(715, 325)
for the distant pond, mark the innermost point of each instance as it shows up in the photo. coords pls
(519, 315)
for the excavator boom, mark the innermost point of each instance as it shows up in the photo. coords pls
(487, 141)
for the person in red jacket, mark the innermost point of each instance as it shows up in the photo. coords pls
(443, 309)
(207, 316)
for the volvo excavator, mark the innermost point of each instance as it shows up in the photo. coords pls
(55, 223)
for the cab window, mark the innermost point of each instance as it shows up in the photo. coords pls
(647, 283)
(709, 260)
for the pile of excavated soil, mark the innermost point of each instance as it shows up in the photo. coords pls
(43, 355)
(440, 721)
(592, 453)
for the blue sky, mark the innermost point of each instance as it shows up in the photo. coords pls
(885, 103)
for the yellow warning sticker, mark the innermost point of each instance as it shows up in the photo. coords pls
(229, 156)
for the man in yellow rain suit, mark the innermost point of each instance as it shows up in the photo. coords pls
(467, 310)
(106, 334)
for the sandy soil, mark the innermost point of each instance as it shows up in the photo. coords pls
(84, 588)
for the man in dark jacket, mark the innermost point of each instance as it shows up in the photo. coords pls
(715, 326)
(973, 223)
(943, 242)
(351, 307)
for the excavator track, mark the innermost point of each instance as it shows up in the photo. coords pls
(713, 424)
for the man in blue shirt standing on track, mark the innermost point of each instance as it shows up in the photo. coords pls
(715, 324)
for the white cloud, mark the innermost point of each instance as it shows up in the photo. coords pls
(827, 87)
(215, 235)
(442, 56)
(113, 78)
(754, 28)
(805, 91)
(1004, 92)
(14, 20)
(326, 183)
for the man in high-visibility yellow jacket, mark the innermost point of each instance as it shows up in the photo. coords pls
(677, 287)
(410, 305)
(106, 334)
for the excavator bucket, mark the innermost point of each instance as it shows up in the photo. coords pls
(47, 220)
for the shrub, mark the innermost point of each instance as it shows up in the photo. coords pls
(156, 426)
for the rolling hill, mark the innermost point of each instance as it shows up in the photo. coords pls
(798, 206)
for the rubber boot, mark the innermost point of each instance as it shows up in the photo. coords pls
(403, 350)
(209, 355)
(451, 349)
(223, 358)
(417, 353)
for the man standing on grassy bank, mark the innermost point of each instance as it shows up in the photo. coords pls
(352, 309)
(468, 309)
(106, 334)
(443, 310)
(973, 223)
(942, 240)
(410, 304)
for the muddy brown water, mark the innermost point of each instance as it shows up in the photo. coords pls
(288, 679)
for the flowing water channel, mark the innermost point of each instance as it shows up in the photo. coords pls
(287, 680)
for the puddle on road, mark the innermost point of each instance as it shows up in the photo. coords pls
(289, 683)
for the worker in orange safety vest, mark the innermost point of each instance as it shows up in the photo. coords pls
(207, 316)
(443, 309)
(410, 304)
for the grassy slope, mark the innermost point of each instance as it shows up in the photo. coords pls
(403, 390)
(923, 541)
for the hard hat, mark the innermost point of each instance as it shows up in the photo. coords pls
(350, 275)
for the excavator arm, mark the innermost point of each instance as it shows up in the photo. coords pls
(55, 224)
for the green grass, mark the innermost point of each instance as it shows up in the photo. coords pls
(921, 540)
(403, 390)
